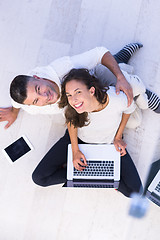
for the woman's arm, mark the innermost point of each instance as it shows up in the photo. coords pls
(119, 144)
(77, 154)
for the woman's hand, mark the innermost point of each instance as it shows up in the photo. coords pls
(120, 146)
(79, 160)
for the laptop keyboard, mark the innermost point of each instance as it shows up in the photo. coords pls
(158, 187)
(93, 185)
(97, 168)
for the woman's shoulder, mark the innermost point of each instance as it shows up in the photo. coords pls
(119, 101)
(120, 98)
(112, 92)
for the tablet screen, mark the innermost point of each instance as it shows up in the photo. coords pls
(17, 149)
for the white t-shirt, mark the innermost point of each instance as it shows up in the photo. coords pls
(104, 124)
(56, 70)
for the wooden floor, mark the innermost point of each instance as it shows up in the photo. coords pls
(33, 33)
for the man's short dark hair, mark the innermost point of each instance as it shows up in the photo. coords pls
(18, 88)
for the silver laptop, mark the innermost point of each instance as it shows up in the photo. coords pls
(153, 191)
(103, 170)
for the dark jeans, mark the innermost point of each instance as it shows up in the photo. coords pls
(50, 170)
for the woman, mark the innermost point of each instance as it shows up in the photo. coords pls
(100, 116)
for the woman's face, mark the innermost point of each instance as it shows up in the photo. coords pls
(79, 96)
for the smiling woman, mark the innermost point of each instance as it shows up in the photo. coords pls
(82, 93)
(88, 97)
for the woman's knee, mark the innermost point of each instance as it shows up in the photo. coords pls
(38, 179)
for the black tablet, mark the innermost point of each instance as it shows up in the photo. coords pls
(17, 149)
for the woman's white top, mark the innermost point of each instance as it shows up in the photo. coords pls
(104, 124)
(56, 70)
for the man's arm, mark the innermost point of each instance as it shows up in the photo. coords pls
(122, 84)
(8, 114)
(119, 144)
(77, 154)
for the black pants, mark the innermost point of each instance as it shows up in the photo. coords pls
(50, 170)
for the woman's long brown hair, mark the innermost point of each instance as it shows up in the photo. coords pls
(82, 75)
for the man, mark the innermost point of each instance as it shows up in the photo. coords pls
(39, 91)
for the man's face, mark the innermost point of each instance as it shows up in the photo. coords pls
(41, 92)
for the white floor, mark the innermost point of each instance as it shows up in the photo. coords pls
(35, 32)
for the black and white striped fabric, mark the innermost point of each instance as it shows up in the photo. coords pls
(153, 101)
(126, 53)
